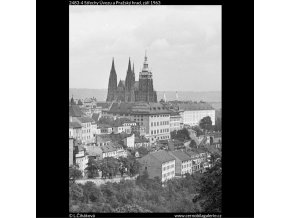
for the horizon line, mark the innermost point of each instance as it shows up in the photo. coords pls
(156, 90)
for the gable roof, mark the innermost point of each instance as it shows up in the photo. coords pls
(180, 155)
(85, 120)
(74, 125)
(94, 151)
(194, 106)
(162, 156)
(75, 111)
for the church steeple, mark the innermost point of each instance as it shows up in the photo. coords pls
(133, 73)
(129, 76)
(112, 86)
(145, 64)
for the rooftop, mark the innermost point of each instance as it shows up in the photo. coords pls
(74, 125)
(86, 120)
(162, 156)
(75, 111)
(180, 155)
(138, 108)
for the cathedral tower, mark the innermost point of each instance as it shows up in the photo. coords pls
(146, 91)
(112, 87)
(129, 84)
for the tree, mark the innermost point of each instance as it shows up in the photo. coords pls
(197, 130)
(92, 168)
(74, 174)
(142, 151)
(205, 123)
(192, 144)
(133, 167)
(210, 190)
(109, 167)
(182, 134)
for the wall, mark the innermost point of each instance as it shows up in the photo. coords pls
(192, 118)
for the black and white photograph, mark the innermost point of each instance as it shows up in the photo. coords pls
(145, 133)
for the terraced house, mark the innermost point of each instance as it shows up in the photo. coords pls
(183, 163)
(158, 164)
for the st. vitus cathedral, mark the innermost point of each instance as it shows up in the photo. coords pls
(131, 90)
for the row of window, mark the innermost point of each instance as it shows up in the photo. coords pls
(160, 116)
(168, 167)
(86, 138)
(87, 124)
(168, 174)
(161, 123)
(154, 132)
(86, 131)
(186, 171)
(160, 137)
(185, 165)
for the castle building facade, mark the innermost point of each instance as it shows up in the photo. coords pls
(129, 90)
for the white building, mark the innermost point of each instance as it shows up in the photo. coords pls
(87, 129)
(81, 160)
(191, 113)
(160, 164)
(175, 121)
(154, 117)
(183, 163)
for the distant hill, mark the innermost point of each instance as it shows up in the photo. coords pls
(101, 94)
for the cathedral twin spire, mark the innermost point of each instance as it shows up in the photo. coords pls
(130, 77)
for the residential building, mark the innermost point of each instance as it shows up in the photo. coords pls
(71, 151)
(141, 142)
(196, 161)
(130, 141)
(87, 131)
(158, 164)
(113, 150)
(153, 116)
(81, 159)
(105, 128)
(183, 163)
(175, 121)
(75, 130)
(94, 152)
(175, 144)
(192, 112)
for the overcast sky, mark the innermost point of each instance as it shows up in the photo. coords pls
(183, 45)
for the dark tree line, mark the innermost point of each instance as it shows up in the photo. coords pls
(197, 193)
(110, 167)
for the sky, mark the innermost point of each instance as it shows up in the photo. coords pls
(183, 45)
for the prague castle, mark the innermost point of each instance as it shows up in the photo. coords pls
(129, 90)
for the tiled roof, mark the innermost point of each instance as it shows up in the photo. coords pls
(121, 121)
(74, 125)
(85, 120)
(180, 155)
(104, 125)
(75, 111)
(112, 137)
(95, 117)
(111, 147)
(94, 151)
(194, 106)
(162, 156)
(103, 104)
(139, 108)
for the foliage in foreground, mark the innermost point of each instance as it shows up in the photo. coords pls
(195, 193)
